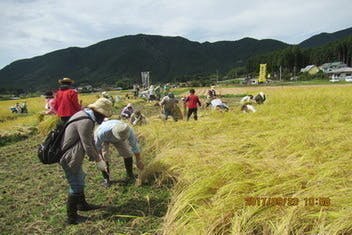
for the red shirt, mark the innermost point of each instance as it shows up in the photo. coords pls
(66, 102)
(192, 101)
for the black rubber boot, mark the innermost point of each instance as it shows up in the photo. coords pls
(72, 216)
(106, 176)
(84, 206)
(129, 167)
(130, 179)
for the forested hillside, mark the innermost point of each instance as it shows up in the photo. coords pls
(325, 38)
(170, 59)
(123, 58)
(293, 58)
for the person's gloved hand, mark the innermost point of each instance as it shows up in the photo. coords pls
(101, 165)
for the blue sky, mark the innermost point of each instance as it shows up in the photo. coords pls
(34, 27)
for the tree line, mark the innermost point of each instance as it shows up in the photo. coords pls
(293, 58)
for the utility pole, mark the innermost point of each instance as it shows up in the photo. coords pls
(294, 72)
(280, 73)
(217, 76)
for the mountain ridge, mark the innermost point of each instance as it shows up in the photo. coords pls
(169, 58)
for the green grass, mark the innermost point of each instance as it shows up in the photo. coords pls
(33, 198)
(33, 195)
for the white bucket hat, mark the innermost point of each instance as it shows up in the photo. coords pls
(103, 106)
(121, 131)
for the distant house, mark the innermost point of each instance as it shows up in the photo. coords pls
(252, 81)
(85, 89)
(329, 67)
(340, 73)
(311, 69)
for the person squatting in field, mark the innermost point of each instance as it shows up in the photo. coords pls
(78, 139)
(19, 108)
(192, 101)
(123, 138)
(260, 98)
(138, 119)
(248, 108)
(217, 103)
(127, 111)
(248, 99)
(66, 100)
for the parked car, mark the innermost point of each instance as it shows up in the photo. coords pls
(334, 80)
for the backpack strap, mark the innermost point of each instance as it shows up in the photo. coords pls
(77, 119)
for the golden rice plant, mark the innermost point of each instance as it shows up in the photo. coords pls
(49, 122)
(296, 145)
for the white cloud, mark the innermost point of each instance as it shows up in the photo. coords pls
(34, 27)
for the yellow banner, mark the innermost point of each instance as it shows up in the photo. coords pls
(262, 73)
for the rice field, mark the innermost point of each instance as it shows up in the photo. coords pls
(296, 147)
(282, 170)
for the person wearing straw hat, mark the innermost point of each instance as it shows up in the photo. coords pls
(78, 139)
(66, 100)
(123, 138)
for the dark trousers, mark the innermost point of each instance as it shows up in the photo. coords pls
(189, 113)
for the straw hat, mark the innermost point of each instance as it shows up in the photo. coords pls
(103, 106)
(121, 131)
(66, 81)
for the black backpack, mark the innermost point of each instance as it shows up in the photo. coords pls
(50, 151)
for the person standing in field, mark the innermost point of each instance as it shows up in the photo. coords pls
(123, 138)
(49, 103)
(169, 107)
(78, 139)
(66, 100)
(192, 102)
(210, 95)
